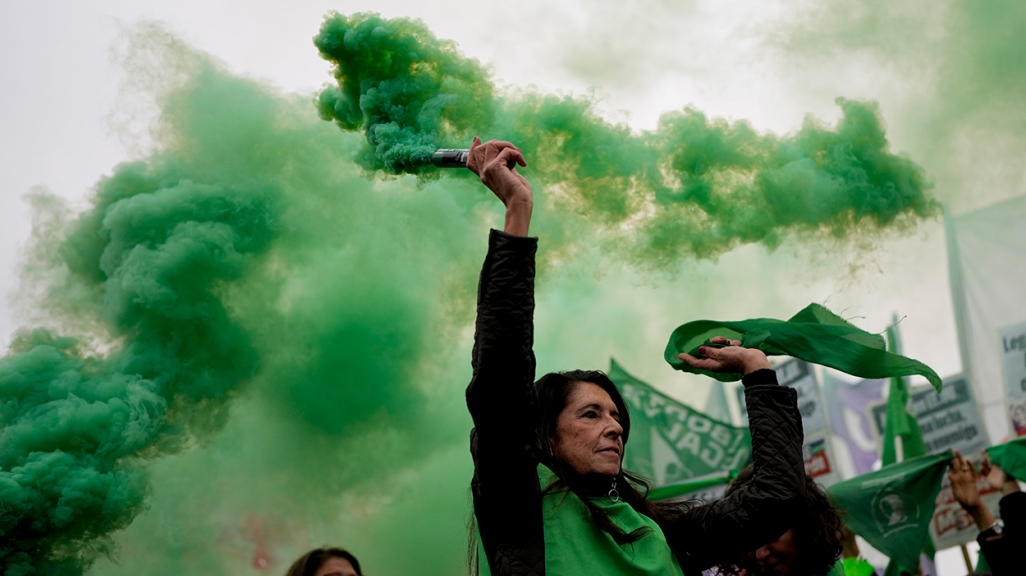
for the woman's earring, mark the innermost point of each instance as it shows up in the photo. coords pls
(613, 494)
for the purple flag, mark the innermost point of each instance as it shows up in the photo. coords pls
(849, 420)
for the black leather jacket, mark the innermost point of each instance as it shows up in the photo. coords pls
(502, 401)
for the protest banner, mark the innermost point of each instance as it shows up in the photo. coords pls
(672, 442)
(949, 421)
(796, 374)
(1013, 363)
(850, 425)
(987, 269)
(819, 460)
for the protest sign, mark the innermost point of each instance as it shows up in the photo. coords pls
(1013, 363)
(796, 374)
(949, 420)
(671, 442)
(819, 460)
(951, 525)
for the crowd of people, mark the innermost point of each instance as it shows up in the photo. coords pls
(550, 495)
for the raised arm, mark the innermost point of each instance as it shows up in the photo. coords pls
(501, 395)
(762, 510)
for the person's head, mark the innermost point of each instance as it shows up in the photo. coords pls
(325, 562)
(811, 546)
(584, 421)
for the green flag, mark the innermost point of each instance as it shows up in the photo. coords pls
(1010, 457)
(670, 442)
(694, 485)
(901, 426)
(815, 335)
(892, 507)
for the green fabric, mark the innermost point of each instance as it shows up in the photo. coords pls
(901, 426)
(671, 442)
(857, 567)
(981, 563)
(836, 570)
(687, 487)
(815, 335)
(574, 545)
(1010, 457)
(892, 507)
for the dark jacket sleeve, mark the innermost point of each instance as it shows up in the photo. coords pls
(501, 399)
(762, 510)
(1003, 551)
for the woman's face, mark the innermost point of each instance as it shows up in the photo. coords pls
(588, 432)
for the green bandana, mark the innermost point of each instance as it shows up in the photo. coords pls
(815, 335)
(892, 507)
(1010, 457)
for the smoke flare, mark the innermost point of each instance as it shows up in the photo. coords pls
(694, 187)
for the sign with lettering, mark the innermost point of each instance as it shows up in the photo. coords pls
(796, 374)
(671, 442)
(819, 461)
(949, 420)
(951, 525)
(1013, 363)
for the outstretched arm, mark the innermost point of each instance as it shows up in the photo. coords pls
(763, 509)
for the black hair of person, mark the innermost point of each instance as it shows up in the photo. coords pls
(307, 564)
(818, 530)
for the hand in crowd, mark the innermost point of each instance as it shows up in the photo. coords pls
(730, 358)
(963, 487)
(996, 477)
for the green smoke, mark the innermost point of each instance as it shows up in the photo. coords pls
(694, 187)
(150, 261)
(953, 70)
(250, 259)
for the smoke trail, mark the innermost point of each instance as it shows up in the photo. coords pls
(151, 260)
(694, 187)
(960, 61)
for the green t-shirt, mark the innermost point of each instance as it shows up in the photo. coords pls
(574, 545)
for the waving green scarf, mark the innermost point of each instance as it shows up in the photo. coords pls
(815, 335)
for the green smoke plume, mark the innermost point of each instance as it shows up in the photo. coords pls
(250, 259)
(150, 261)
(693, 187)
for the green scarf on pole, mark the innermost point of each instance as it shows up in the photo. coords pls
(815, 335)
(892, 507)
(901, 426)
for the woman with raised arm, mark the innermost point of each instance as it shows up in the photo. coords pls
(550, 494)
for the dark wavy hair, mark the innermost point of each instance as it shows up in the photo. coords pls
(308, 563)
(818, 530)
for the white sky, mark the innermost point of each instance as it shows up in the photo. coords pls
(642, 58)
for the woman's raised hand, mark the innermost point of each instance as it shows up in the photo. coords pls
(495, 163)
(732, 357)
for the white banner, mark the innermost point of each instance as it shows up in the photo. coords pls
(987, 267)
